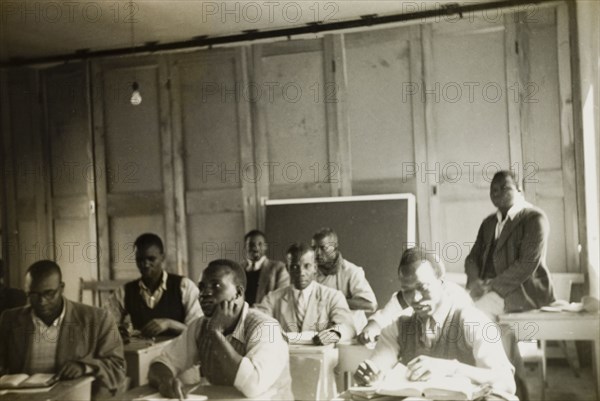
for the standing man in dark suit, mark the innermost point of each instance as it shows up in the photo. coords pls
(262, 274)
(506, 267)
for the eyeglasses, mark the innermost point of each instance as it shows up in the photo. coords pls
(48, 295)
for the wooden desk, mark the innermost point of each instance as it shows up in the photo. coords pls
(345, 396)
(328, 354)
(76, 390)
(537, 325)
(212, 392)
(351, 353)
(139, 353)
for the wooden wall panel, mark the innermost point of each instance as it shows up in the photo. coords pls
(379, 107)
(214, 236)
(468, 122)
(70, 193)
(293, 144)
(133, 149)
(25, 174)
(211, 114)
(133, 157)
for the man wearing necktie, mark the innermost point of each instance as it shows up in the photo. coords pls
(306, 305)
(442, 337)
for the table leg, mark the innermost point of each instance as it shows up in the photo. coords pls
(596, 366)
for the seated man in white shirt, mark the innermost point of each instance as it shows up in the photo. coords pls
(307, 305)
(234, 345)
(158, 302)
(397, 306)
(441, 337)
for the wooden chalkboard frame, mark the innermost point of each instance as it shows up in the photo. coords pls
(358, 220)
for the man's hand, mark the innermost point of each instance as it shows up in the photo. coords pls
(424, 367)
(224, 316)
(155, 327)
(478, 288)
(370, 333)
(171, 388)
(326, 337)
(71, 370)
(367, 373)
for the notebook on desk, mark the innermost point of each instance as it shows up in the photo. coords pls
(441, 388)
(25, 381)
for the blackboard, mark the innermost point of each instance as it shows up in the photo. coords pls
(373, 231)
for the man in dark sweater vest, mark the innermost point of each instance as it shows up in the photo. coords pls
(158, 302)
(442, 337)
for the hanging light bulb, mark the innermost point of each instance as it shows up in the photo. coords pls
(136, 98)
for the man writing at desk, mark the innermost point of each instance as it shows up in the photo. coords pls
(306, 305)
(428, 341)
(55, 335)
(235, 345)
(158, 302)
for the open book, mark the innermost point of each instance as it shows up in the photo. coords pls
(438, 388)
(22, 380)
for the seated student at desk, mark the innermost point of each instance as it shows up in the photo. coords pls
(307, 305)
(158, 302)
(338, 273)
(428, 342)
(55, 335)
(397, 306)
(263, 275)
(234, 345)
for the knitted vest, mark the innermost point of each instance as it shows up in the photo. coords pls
(170, 305)
(450, 343)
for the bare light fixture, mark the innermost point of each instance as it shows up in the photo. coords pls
(136, 97)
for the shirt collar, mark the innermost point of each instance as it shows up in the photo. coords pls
(238, 332)
(163, 283)
(307, 291)
(519, 205)
(441, 313)
(56, 323)
(257, 265)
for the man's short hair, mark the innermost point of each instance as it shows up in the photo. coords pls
(326, 232)
(147, 240)
(511, 174)
(254, 233)
(42, 269)
(239, 275)
(413, 257)
(297, 249)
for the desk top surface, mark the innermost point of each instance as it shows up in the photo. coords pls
(535, 315)
(137, 344)
(212, 392)
(55, 393)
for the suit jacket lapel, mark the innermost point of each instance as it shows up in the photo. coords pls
(263, 280)
(23, 337)
(312, 310)
(70, 330)
(287, 310)
(489, 234)
(510, 225)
